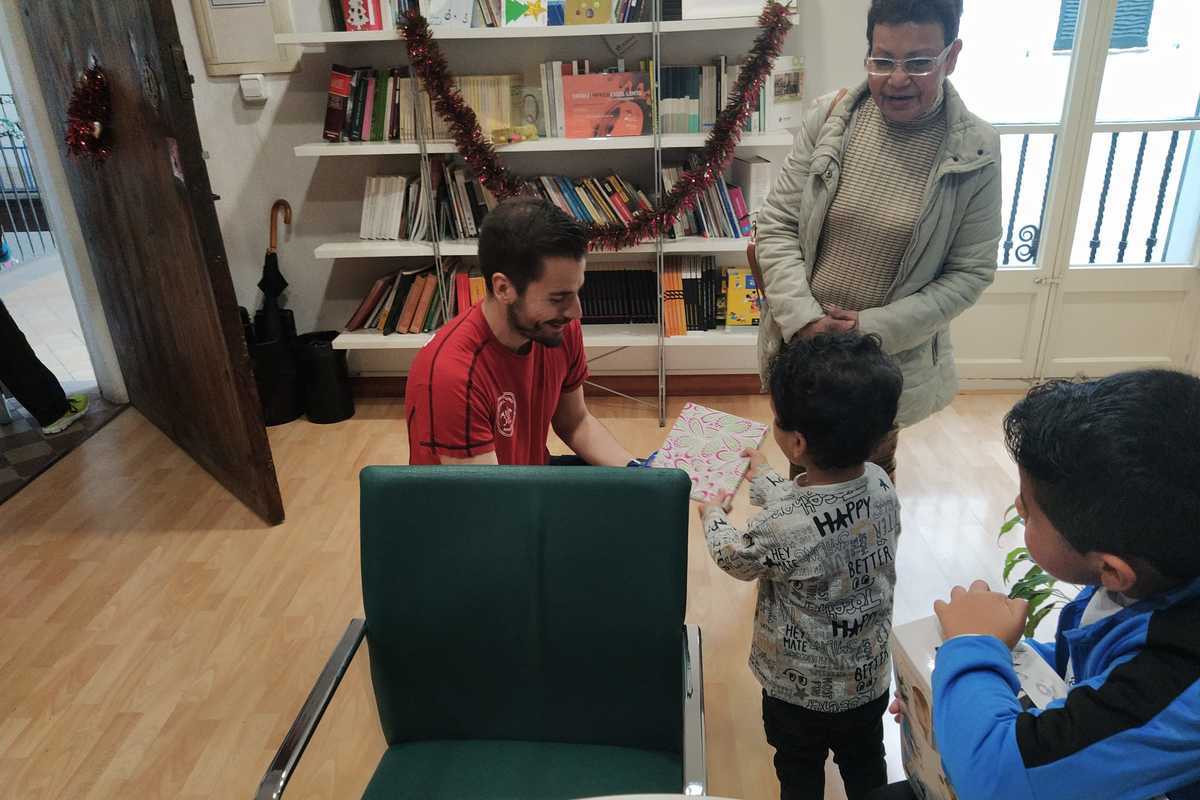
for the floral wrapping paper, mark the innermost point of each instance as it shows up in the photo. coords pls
(707, 444)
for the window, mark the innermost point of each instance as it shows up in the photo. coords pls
(1131, 28)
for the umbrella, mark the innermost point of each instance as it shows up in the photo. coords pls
(270, 323)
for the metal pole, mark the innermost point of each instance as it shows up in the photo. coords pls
(656, 55)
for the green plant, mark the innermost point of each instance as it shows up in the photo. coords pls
(1036, 586)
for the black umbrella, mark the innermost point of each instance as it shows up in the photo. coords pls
(272, 323)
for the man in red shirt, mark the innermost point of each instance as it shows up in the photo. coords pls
(488, 386)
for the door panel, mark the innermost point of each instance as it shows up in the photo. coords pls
(148, 218)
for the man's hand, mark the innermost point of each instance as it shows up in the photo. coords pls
(897, 709)
(724, 502)
(757, 462)
(983, 612)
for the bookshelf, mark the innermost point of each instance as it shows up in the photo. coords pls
(670, 141)
(725, 350)
(445, 33)
(595, 337)
(357, 248)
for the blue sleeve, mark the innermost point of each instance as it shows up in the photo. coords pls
(974, 713)
(1085, 746)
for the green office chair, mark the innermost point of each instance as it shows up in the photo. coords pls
(526, 636)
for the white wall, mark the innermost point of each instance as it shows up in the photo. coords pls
(251, 161)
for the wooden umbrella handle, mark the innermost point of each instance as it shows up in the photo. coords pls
(287, 220)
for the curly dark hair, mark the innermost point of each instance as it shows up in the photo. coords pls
(519, 233)
(946, 13)
(840, 391)
(1115, 464)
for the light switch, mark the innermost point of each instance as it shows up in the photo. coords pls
(254, 88)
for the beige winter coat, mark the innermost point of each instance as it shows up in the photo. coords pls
(948, 264)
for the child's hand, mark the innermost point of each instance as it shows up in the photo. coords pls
(757, 462)
(724, 502)
(897, 708)
(981, 611)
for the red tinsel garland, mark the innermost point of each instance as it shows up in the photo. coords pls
(88, 115)
(430, 64)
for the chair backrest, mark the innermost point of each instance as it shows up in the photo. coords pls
(535, 604)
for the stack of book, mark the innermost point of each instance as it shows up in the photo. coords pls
(408, 301)
(692, 296)
(469, 287)
(387, 211)
(691, 97)
(618, 295)
(582, 104)
(376, 105)
(720, 212)
(594, 200)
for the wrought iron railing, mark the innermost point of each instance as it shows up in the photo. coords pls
(22, 216)
(1029, 234)
(1164, 185)
(1127, 209)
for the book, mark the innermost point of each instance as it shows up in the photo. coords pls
(412, 298)
(707, 444)
(742, 298)
(589, 12)
(450, 12)
(914, 651)
(785, 101)
(607, 104)
(532, 13)
(423, 304)
(340, 84)
(369, 301)
(753, 175)
(745, 225)
(362, 15)
(337, 16)
(400, 307)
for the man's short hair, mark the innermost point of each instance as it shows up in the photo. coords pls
(840, 391)
(519, 233)
(946, 13)
(1115, 464)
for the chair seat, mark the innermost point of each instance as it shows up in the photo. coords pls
(499, 770)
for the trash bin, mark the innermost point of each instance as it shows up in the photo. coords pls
(278, 381)
(325, 378)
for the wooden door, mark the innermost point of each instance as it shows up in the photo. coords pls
(151, 228)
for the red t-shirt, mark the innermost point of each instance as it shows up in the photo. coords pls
(468, 394)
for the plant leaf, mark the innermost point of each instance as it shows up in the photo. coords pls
(1035, 619)
(1014, 557)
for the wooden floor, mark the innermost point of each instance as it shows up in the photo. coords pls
(156, 639)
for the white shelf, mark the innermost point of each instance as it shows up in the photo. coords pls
(594, 336)
(548, 145)
(447, 33)
(358, 248)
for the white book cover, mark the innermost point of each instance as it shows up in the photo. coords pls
(753, 175)
(785, 101)
(559, 102)
(551, 126)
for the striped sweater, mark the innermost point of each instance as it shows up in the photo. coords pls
(885, 173)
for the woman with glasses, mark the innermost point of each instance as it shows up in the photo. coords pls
(886, 215)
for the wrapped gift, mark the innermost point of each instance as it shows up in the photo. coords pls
(914, 649)
(707, 445)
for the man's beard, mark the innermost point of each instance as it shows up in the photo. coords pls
(540, 332)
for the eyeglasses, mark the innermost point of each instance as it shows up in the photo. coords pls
(913, 67)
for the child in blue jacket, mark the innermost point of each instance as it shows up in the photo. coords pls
(1110, 496)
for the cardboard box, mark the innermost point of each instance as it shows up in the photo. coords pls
(914, 649)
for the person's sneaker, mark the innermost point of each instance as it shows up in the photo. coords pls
(77, 405)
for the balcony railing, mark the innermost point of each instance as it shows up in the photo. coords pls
(22, 215)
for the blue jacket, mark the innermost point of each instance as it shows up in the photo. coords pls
(1129, 728)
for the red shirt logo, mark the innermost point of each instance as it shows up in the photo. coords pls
(506, 414)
